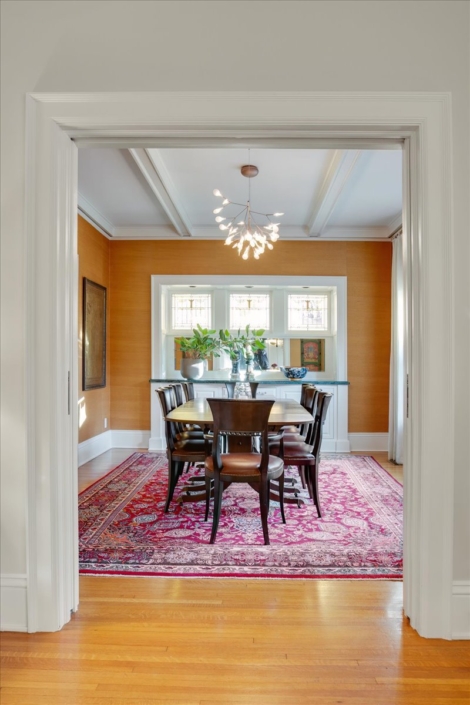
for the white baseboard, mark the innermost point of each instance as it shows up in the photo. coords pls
(157, 444)
(14, 614)
(131, 439)
(461, 609)
(368, 441)
(94, 446)
(111, 439)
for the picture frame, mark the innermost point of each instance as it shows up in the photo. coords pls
(312, 354)
(94, 335)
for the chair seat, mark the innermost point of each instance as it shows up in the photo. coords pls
(293, 449)
(244, 465)
(190, 435)
(189, 445)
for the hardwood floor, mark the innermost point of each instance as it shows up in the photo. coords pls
(172, 641)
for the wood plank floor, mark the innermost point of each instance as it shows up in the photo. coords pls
(172, 641)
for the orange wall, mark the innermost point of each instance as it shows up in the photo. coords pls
(93, 263)
(366, 264)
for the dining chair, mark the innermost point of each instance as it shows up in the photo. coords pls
(181, 447)
(188, 389)
(232, 419)
(306, 455)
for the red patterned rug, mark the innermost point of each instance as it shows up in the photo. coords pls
(123, 530)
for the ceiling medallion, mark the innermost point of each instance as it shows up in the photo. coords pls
(246, 234)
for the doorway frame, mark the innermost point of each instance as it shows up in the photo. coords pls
(55, 121)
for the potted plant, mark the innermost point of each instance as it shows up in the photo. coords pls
(246, 343)
(196, 350)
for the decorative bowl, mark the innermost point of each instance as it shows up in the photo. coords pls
(294, 372)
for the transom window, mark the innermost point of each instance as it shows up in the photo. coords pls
(187, 310)
(249, 309)
(307, 311)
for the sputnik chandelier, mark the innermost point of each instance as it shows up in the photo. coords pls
(246, 234)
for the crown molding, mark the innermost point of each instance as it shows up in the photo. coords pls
(95, 218)
(395, 223)
(211, 232)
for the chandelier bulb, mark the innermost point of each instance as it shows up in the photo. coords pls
(217, 210)
(277, 215)
(216, 192)
(226, 201)
(219, 219)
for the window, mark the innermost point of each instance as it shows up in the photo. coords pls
(187, 310)
(249, 309)
(307, 312)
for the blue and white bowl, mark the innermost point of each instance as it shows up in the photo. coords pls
(294, 372)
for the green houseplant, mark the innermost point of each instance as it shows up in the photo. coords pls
(246, 343)
(196, 350)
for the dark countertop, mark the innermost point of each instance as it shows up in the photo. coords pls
(214, 380)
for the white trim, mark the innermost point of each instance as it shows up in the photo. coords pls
(13, 598)
(423, 119)
(211, 232)
(130, 439)
(368, 441)
(340, 169)
(395, 223)
(461, 609)
(92, 447)
(163, 189)
(94, 217)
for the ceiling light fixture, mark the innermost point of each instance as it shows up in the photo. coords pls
(246, 235)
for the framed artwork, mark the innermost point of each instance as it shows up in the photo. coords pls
(312, 354)
(94, 335)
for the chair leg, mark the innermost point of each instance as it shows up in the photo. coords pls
(302, 477)
(208, 497)
(316, 497)
(173, 476)
(264, 508)
(307, 474)
(218, 491)
(281, 497)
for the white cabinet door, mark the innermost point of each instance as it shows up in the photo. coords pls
(267, 391)
(291, 391)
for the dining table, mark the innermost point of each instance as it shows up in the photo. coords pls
(284, 412)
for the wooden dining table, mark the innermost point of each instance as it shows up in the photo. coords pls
(284, 412)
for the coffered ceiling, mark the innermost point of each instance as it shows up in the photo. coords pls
(167, 193)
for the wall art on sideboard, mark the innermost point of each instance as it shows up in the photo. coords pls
(312, 354)
(94, 335)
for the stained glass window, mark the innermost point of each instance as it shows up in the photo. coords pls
(307, 312)
(249, 309)
(187, 310)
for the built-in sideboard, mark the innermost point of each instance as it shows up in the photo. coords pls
(335, 435)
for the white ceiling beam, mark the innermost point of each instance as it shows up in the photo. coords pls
(339, 172)
(156, 174)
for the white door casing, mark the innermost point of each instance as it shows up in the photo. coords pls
(302, 119)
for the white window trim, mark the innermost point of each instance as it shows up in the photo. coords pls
(337, 286)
